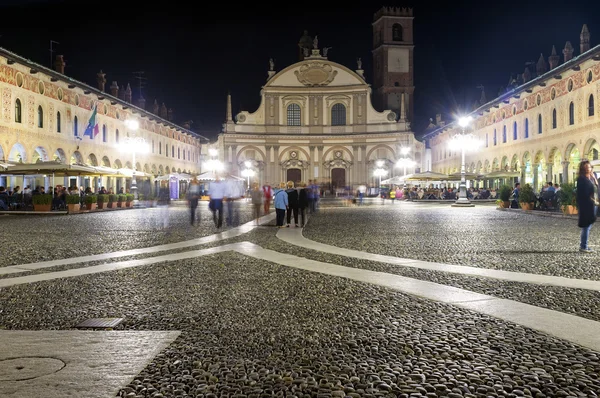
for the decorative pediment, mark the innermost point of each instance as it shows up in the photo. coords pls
(344, 99)
(293, 98)
(295, 164)
(317, 73)
(337, 163)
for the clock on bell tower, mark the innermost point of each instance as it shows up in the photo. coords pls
(393, 83)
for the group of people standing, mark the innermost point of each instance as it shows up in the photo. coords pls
(287, 200)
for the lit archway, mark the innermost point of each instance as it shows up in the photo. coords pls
(17, 154)
(92, 160)
(76, 158)
(59, 156)
(572, 156)
(39, 155)
(105, 161)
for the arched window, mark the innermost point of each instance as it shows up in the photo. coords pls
(58, 122)
(554, 118)
(504, 134)
(397, 32)
(178, 153)
(495, 137)
(117, 136)
(40, 116)
(294, 115)
(540, 123)
(18, 111)
(172, 151)
(515, 133)
(571, 113)
(160, 148)
(338, 115)
(486, 140)
(104, 135)
(591, 105)
(75, 126)
(526, 128)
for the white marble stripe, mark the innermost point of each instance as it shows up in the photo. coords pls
(296, 238)
(231, 233)
(565, 326)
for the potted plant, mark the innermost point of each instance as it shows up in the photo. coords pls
(73, 203)
(121, 199)
(526, 197)
(128, 199)
(112, 200)
(567, 198)
(102, 199)
(90, 202)
(504, 196)
(42, 202)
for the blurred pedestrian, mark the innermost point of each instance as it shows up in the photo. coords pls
(257, 196)
(193, 195)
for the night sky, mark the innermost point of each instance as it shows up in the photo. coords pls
(192, 55)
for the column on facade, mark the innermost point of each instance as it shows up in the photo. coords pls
(319, 162)
(522, 176)
(549, 176)
(355, 166)
(267, 166)
(235, 169)
(364, 164)
(276, 167)
(536, 177)
(313, 162)
(565, 174)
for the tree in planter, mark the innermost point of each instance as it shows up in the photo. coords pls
(527, 196)
(567, 196)
(121, 199)
(102, 199)
(504, 195)
(73, 202)
(112, 200)
(42, 202)
(90, 202)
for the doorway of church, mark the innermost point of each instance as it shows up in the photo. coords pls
(294, 175)
(338, 178)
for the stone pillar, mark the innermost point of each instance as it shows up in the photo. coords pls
(522, 176)
(364, 165)
(319, 162)
(355, 166)
(549, 176)
(268, 176)
(565, 173)
(313, 162)
(235, 168)
(535, 176)
(276, 168)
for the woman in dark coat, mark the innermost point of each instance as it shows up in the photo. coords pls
(303, 203)
(587, 200)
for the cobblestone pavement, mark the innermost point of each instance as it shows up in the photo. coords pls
(253, 328)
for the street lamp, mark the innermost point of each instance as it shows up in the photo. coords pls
(134, 144)
(464, 142)
(404, 163)
(248, 172)
(380, 171)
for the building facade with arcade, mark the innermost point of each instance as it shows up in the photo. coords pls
(538, 130)
(44, 115)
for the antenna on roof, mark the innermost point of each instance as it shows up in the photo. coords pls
(139, 76)
(52, 42)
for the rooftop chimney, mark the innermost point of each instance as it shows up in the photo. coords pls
(101, 79)
(114, 89)
(568, 51)
(163, 111)
(127, 94)
(541, 66)
(59, 64)
(584, 39)
(155, 107)
(553, 59)
(170, 115)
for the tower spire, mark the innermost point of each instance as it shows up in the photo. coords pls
(229, 115)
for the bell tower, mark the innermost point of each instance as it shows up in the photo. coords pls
(393, 83)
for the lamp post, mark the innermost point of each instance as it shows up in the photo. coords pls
(248, 172)
(380, 171)
(464, 142)
(404, 163)
(134, 144)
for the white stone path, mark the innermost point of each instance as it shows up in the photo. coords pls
(568, 327)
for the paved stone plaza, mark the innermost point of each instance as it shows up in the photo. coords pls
(403, 300)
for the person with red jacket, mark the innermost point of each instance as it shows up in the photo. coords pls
(268, 195)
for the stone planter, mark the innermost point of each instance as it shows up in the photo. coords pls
(47, 207)
(526, 206)
(570, 209)
(73, 208)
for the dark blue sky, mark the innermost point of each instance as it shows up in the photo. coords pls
(192, 55)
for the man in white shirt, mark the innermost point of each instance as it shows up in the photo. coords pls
(217, 193)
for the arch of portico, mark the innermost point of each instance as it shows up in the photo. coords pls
(17, 154)
(258, 161)
(39, 155)
(572, 156)
(591, 150)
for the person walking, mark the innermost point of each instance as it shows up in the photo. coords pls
(587, 203)
(193, 197)
(280, 201)
(257, 201)
(303, 203)
(267, 196)
(292, 203)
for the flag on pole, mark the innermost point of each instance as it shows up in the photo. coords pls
(92, 129)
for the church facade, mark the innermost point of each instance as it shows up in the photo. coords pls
(44, 115)
(539, 130)
(316, 120)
